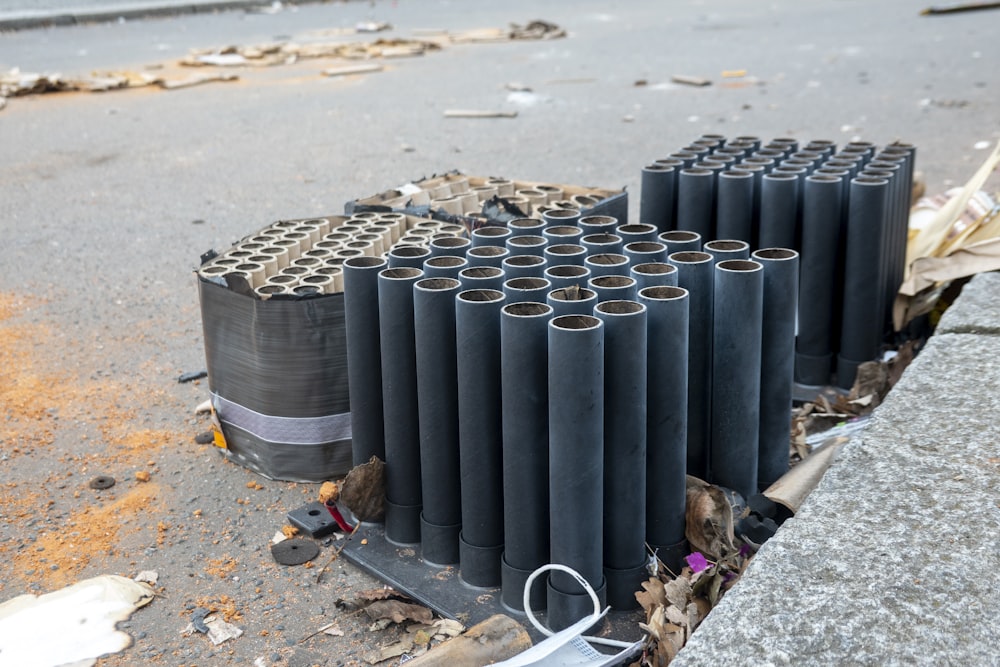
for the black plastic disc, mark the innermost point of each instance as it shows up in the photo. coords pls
(102, 482)
(204, 438)
(294, 552)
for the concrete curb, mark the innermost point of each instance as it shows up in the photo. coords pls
(894, 559)
(27, 20)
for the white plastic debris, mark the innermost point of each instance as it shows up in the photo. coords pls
(81, 616)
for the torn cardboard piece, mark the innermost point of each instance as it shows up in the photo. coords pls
(941, 252)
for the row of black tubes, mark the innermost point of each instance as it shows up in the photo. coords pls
(845, 211)
(535, 425)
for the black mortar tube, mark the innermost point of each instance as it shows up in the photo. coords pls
(680, 241)
(480, 435)
(523, 266)
(736, 358)
(598, 224)
(724, 249)
(449, 245)
(625, 345)
(561, 217)
(518, 290)
(567, 275)
(642, 252)
(437, 403)
(562, 234)
(613, 288)
(861, 327)
(778, 210)
(695, 201)
(654, 274)
(607, 264)
(490, 235)
(482, 277)
(694, 274)
(666, 421)
(598, 244)
(364, 357)
(656, 203)
(777, 361)
(525, 227)
(576, 462)
(409, 255)
(637, 232)
(444, 266)
(734, 206)
(487, 255)
(527, 245)
(565, 253)
(821, 242)
(399, 404)
(524, 382)
(572, 301)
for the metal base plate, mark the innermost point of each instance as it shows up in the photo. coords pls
(313, 518)
(440, 588)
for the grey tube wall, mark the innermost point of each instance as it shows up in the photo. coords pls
(571, 301)
(607, 264)
(408, 256)
(643, 252)
(821, 242)
(695, 201)
(656, 202)
(734, 206)
(861, 328)
(777, 361)
(666, 422)
(487, 255)
(680, 241)
(694, 274)
(524, 381)
(576, 463)
(437, 404)
(567, 275)
(613, 288)
(625, 345)
(778, 211)
(724, 249)
(523, 266)
(481, 277)
(399, 404)
(517, 290)
(480, 432)
(364, 357)
(736, 359)
(444, 266)
(654, 274)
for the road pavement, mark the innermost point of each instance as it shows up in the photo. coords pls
(107, 200)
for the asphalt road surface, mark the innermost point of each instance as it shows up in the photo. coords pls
(107, 200)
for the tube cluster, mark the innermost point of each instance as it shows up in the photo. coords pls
(530, 389)
(845, 210)
(302, 257)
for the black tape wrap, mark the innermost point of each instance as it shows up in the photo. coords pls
(277, 370)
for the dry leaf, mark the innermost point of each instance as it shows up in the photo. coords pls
(654, 590)
(396, 649)
(446, 627)
(709, 519)
(676, 616)
(677, 592)
(398, 612)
